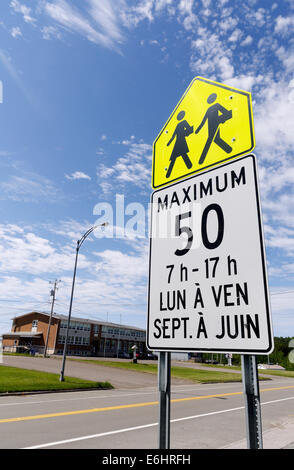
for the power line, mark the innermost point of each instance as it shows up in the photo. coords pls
(23, 301)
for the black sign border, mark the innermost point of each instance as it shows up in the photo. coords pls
(263, 258)
(245, 93)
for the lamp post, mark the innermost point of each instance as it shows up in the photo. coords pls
(79, 244)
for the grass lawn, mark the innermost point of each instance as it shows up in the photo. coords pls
(14, 379)
(281, 373)
(196, 375)
(223, 366)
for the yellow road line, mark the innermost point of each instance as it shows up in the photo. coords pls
(78, 412)
(132, 405)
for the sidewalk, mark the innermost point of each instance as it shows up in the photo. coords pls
(280, 436)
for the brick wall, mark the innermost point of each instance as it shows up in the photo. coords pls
(24, 323)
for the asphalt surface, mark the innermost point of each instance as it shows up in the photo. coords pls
(210, 416)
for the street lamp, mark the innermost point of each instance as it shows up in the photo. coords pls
(79, 244)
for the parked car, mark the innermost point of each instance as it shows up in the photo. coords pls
(140, 355)
(151, 356)
(123, 355)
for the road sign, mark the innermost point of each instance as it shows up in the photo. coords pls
(212, 123)
(207, 277)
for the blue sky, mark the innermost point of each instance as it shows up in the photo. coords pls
(87, 86)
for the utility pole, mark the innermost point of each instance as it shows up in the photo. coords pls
(52, 293)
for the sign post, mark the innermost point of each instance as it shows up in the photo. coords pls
(252, 402)
(164, 399)
(208, 288)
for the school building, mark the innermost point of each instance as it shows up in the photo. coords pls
(85, 337)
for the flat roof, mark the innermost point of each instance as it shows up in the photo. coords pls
(82, 320)
(22, 334)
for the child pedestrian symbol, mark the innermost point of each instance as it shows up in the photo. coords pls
(214, 119)
(182, 130)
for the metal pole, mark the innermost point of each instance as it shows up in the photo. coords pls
(252, 402)
(61, 378)
(164, 399)
(79, 244)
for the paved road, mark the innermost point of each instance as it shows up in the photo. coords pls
(203, 416)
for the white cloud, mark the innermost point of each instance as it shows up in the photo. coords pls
(245, 82)
(105, 15)
(103, 171)
(247, 41)
(78, 175)
(257, 17)
(274, 120)
(106, 187)
(71, 19)
(161, 4)
(29, 187)
(185, 7)
(236, 35)
(16, 32)
(110, 279)
(134, 167)
(284, 24)
(228, 23)
(210, 56)
(117, 265)
(7, 63)
(286, 57)
(132, 16)
(49, 32)
(29, 253)
(24, 10)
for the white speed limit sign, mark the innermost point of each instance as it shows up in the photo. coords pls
(208, 286)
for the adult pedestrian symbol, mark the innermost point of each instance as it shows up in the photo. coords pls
(215, 116)
(212, 123)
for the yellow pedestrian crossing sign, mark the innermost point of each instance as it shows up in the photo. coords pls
(212, 123)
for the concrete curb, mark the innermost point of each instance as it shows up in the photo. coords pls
(41, 392)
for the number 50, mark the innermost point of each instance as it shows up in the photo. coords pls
(210, 245)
